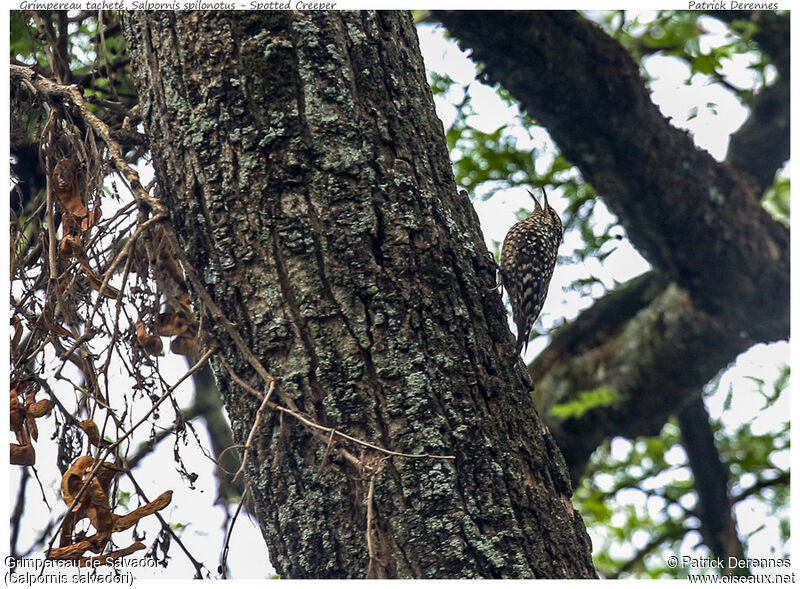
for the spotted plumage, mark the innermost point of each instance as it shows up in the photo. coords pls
(526, 265)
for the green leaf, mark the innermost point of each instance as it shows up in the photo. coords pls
(20, 44)
(777, 199)
(440, 83)
(783, 380)
(586, 401)
(123, 498)
(704, 64)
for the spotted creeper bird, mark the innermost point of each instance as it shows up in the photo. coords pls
(526, 265)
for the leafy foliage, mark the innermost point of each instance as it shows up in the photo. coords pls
(678, 34)
(777, 199)
(586, 401)
(638, 497)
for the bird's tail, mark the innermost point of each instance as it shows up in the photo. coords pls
(523, 332)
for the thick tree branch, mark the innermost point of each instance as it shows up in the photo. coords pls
(696, 220)
(710, 482)
(716, 252)
(761, 146)
(647, 341)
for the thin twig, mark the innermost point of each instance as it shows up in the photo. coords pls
(72, 93)
(198, 566)
(223, 565)
(370, 547)
(216, 312)
(166, 395)
(248, 355)
(19, 508)
(780, 479)
(647, 549)
(322, 428)
(253, 430)
(123, 253)
(328, 448)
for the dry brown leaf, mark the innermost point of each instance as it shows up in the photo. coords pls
(35, 409)
(71, 552)
(65, 247)
(71, 224)
(186, 346)
(16, 409)
(90, 428)
(72, 481)
(65, 183)
(108, 558)
(94, 504)
(185, 303)
(21, 416)
(94, 501)
(171, 265)
(124, 522)
(151, 343)
(96, 282)
(107, 473)
(171, 323)
(23, 454)
(91, 218)
(71, 247)
(99, 513)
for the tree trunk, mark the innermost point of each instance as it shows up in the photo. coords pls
(309, 186)
(720, 282)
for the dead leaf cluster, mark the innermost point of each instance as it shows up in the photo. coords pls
(76, 221)
(177, 320)
(85, 488)
(22, 421)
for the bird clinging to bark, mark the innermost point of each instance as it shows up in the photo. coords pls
(526, 265)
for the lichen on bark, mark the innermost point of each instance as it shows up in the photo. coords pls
(308, 181)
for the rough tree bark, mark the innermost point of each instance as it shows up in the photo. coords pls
(660, 338)
(717, 254)
(309, 187)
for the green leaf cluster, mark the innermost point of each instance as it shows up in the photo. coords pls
(777, 199)
(677, 33)
(638, 500)
(586, 401)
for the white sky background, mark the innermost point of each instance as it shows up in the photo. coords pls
(204, 532)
